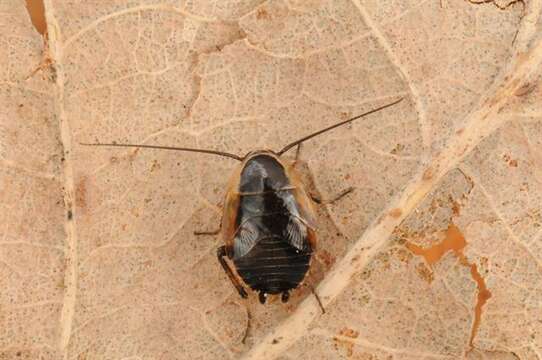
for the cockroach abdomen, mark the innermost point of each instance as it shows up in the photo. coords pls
(271, 251)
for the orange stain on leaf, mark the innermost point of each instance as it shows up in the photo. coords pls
(455, 241)
(427, 174)
(342, 341)
(262, 14)
(483, 295)
(351, 333)
(36, 10)
(326, 257)
(396, 213)
(81, 193)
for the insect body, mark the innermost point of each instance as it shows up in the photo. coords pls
(268, 223)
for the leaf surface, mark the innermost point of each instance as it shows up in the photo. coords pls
(436, 254)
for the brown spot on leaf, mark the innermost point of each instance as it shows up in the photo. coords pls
(342, 343)
(404, 256)
(425, 272)
(525, 89)
(355, 258)
(523, 56)
(511, 162)
(326, 258)
(456, 208)
(81, 193)
(155, 165)
(396, 213)
(349, 333)
(427, 174)
(397, 149)
(366, 274)
(262, 14)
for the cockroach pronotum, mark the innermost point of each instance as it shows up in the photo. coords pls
(268, 221)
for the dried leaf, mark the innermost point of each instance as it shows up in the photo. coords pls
(436, 254)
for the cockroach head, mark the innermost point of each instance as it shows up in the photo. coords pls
(253, 153)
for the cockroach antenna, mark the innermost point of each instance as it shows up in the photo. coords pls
(237, 157)
(204, 151)
(319, 132)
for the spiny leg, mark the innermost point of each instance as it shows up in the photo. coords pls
(221, 253)
(337, 197)
(213, 232)
(317, 299)
(247, 329)
(297, 154)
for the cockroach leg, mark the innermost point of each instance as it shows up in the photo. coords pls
(317, 299)
(297, 154)
(337, 197)
(297, 151)
(221, 253)
(214, 232)
(247, 329)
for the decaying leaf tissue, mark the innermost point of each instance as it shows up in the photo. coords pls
(436, 254)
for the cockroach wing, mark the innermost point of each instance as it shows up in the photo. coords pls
(297, 223)
(229, 215)
(245, 239)
(302, 211)
(296, 234)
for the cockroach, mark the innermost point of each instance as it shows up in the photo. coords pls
(268, 221)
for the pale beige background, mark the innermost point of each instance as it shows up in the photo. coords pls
(456, 168)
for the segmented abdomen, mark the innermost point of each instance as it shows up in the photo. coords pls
(273, 265)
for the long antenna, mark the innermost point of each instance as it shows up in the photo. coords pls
(291, 145)
(220, 153)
